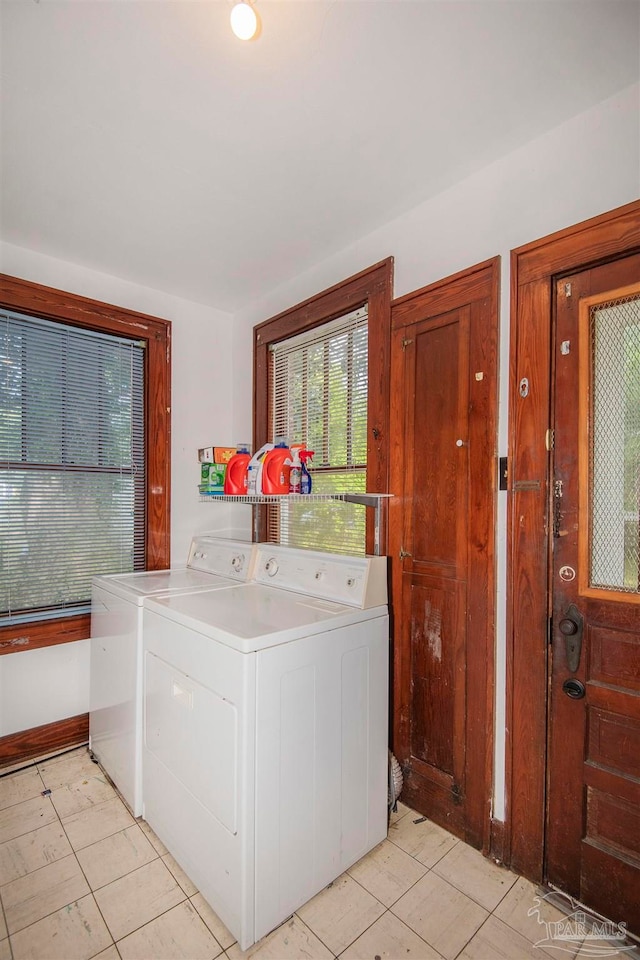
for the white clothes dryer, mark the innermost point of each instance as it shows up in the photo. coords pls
(115, 697)
(265, 764)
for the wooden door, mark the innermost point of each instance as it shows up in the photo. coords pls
(444, 363)
(593, 808)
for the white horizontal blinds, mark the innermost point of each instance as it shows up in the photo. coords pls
(319, 398)
(72, 463)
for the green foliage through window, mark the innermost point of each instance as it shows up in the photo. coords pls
(72, 464)
(319, 398)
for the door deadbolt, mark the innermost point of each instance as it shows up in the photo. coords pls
(574, 689)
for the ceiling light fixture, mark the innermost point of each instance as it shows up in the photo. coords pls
(244, 20)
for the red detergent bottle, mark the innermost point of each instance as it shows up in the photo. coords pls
(276, 468)
(235, 478)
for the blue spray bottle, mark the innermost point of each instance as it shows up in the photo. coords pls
(305, 476)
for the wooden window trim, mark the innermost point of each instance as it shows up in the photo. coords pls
(586, 417)
(36, 300)
(374, 287)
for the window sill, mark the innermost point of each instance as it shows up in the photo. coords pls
(44, 633)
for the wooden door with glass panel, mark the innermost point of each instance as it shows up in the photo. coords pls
(593, 810)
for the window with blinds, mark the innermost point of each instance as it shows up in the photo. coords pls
(72, 464)
(319, 385)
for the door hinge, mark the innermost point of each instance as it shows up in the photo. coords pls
(403, 553)
(405, 343)
(549, 439)
(567, 290)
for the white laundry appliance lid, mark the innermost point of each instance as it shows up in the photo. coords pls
(252, 616)
(214, 562)
(149, 583)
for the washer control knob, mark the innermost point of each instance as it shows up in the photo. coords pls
(319, 575)
(238, 563)
(351, 582)
(272, 567)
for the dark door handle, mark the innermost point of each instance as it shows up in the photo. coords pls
(571, 627)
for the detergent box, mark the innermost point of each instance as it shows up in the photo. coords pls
(216, 454)
(212, 477)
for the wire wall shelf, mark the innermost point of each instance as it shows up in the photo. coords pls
(367, 499)
(375, 500)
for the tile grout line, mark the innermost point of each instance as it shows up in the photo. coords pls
(19, 836)
(453, 884)
(157, 856)
(91, 890)
(41, 793)
(164, 912)
(474, 934)
(44, 758)
(386, 910)
(2, 906)
(129, 872)
(441, 857)
(389, 910)
(316, 935)
(73, 852)
(4, 916)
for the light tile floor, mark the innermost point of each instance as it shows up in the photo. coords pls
(80, 878)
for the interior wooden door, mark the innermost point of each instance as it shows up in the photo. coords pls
(593, 805)
(444, 469)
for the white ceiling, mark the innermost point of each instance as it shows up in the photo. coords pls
(142, 139)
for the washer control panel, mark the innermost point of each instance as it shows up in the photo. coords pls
(226, 558)
(357, 581)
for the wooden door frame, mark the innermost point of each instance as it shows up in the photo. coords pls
(482, 283)
(534, 269)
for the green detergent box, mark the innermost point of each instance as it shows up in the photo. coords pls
(212, 477)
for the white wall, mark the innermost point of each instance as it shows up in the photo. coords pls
(41, 686)
(202, 381)
(585, 167)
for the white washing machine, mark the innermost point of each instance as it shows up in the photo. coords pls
(115, 698)
(265, 731)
